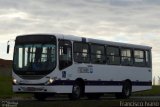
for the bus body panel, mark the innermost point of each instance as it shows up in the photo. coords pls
(98, 78)
(97, 73)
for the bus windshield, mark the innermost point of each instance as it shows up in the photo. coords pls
(34, 57)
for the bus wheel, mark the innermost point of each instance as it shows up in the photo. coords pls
(76, 92)
(93, 96)
(126, 91)
(40, 96)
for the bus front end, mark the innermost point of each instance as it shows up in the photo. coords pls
(34, 63)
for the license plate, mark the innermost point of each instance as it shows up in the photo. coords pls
(31, 89)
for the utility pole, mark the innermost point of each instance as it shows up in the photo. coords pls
(154, 80)
(158, 80)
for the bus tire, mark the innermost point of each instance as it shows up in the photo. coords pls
(126, 91)
(76, 91)
(40, 96)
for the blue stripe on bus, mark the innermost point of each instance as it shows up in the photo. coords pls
(97, 83)
(103, 83)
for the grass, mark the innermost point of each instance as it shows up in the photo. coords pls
(79, 103)
(6, 89)
(153, 92)
(5, 83)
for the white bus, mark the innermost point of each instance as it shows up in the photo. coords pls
(45, 64)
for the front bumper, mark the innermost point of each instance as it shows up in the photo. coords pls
(41, 88)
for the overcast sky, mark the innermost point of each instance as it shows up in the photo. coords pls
(129, 21)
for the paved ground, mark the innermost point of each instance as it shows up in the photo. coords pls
(63, 101)
(65, 98)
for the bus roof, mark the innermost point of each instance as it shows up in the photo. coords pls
(97, 41)
(104, 42)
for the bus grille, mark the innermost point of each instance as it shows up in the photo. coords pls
(31, 77)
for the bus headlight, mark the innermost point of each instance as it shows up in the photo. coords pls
(50, 81)
(14, 81)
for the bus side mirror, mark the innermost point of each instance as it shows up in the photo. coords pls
(8, 45)
(8, 48)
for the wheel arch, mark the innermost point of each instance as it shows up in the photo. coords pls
(128, 80)
(125, 81)
(81, 82)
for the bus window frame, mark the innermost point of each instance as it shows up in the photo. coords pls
(59, 53)
(105, 58)
(88, 53)
(138, 49)
(132, 56)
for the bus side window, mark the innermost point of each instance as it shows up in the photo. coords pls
(126, 57)
(139, 58)
(81, 52)
(98, 54)
(113, 55)
(65, 54)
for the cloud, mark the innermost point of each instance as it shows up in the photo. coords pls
(130, 21)
(110, 16)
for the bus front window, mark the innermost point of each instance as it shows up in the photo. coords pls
(35, 57)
